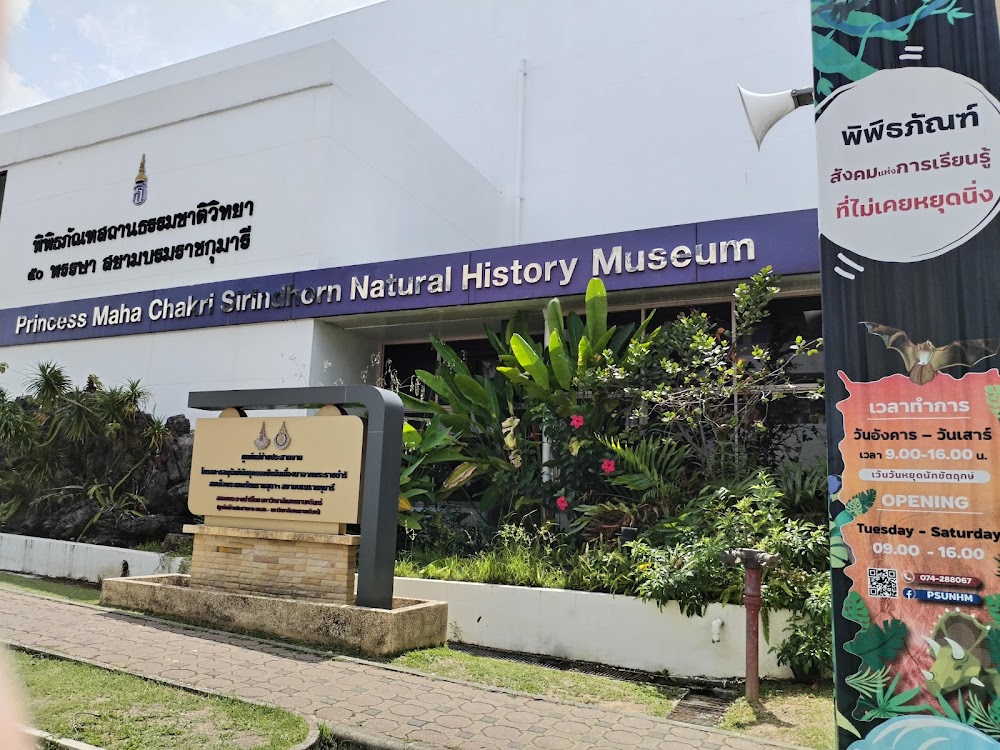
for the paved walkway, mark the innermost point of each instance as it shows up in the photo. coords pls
(341, 692)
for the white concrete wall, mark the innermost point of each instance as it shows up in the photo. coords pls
(340, 172)
(341, 357)
(631, 113)
(172, 364)
(617, 630)
(576, 625)
(392, 132)
(82, 562)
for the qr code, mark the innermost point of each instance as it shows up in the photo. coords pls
(883, 583)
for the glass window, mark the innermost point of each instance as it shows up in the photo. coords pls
(401, 361)
(791, 317)
(479, 356)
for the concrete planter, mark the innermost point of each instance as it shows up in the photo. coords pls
(615, 630)
(410, 624)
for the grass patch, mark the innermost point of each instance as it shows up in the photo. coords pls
(796, 714)
(77, 592)
(121, 712)
(654, 700)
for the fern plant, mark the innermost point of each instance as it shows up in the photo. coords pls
(655, 468)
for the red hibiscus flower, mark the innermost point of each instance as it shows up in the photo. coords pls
(608, 465)
(561, 503)
(577, 421)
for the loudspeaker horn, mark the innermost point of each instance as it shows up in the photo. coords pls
(764, 110)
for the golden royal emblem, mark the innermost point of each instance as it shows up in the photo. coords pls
(139, 190)
(262, 440)
(282, 440)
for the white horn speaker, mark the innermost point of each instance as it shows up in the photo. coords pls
(764, 110)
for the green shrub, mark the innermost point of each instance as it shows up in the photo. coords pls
(808, 648)
(675, 430)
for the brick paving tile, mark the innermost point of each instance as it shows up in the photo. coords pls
(625, 739)
(350, 693)
(502, 733)
(452, 721)
(429, 737)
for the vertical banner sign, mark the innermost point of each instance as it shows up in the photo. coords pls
(907, 126)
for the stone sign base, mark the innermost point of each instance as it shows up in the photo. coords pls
(410, 624)
(298, 565)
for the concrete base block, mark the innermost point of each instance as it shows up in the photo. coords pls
(410, 624)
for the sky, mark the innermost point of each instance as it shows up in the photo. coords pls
(59, 47)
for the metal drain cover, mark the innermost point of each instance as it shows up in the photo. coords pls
(703, 709)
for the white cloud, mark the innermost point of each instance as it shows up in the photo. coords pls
(14, 92)
(16, 11)
(72, 45)
(124, 40)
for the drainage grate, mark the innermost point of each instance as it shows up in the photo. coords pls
(704, 709)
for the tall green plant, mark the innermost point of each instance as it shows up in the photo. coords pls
(63, 443)
(503, 421)
(483, 413)
(419, 482)
(573, 348)
(703, 386)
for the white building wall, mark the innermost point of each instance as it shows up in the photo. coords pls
(339, 171)
(172, 364)
(631, 112)
(404, 145)
(342, 358)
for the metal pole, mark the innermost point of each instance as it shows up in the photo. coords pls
(751, 600)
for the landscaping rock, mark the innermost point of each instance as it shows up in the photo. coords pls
(179, 424)
(164, 489)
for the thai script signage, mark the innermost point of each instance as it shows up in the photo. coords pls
(292, 473)
(907, 123)
(79, 241)
(710, 251)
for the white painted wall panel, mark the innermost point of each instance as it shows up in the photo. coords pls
(617, 630)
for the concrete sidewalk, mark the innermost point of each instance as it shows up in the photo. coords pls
(357, 696)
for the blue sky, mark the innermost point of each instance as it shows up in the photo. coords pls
(59, 47)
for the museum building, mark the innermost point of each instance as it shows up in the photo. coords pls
(306, 209)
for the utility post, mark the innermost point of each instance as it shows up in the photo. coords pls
(753, 562)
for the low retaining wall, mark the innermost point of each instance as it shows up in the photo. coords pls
(617, 630)
(52, 558)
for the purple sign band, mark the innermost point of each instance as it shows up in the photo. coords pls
(641, 259)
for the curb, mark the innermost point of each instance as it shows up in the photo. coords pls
(52, 741)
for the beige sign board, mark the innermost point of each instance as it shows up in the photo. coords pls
(280, 474)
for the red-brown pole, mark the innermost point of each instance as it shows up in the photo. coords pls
(751, 600)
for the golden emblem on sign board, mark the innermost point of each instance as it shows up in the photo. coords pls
(262, 440)
(282, 440)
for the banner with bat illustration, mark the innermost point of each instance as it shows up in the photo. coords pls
(907, 125)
